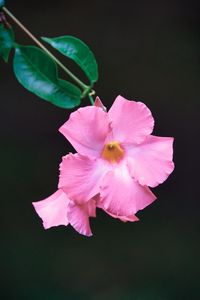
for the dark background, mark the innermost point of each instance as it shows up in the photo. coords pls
(148, 51)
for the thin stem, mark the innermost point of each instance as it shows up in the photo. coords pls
(91, 99)
(78, 81)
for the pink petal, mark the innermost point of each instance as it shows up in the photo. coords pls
(87, 129)
(151, 162)
(131, 121)
(78, 216)
(132, 218)
(53, 210)
(80, 176)
(91, 206)
(121, 195)
(99, 103)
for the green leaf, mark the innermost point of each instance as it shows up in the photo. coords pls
(37, 72)
(2, 3)
(6, 41)
(77, 51)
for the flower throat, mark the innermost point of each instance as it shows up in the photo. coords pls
(113, 152)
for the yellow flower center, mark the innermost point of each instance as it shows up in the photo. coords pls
(113, 152)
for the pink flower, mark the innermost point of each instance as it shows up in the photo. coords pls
(117, 158)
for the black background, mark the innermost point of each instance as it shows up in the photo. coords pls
(147, 51)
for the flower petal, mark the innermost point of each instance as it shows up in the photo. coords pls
(131, 121)
(87, 129)
(53, 210)
(151, 162)
(132, 218)
(80, 176)
(78, 216)
(121, 195)
(91, 206)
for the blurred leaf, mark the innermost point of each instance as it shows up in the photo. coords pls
(6, 41)
(37, 72)
(77, 51)
(2, 3)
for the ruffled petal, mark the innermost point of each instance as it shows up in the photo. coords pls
(53, 210)
(121, 195)
(87, 129)
(78, 216)
(131, 121)
(151, 162)
(80, 176)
